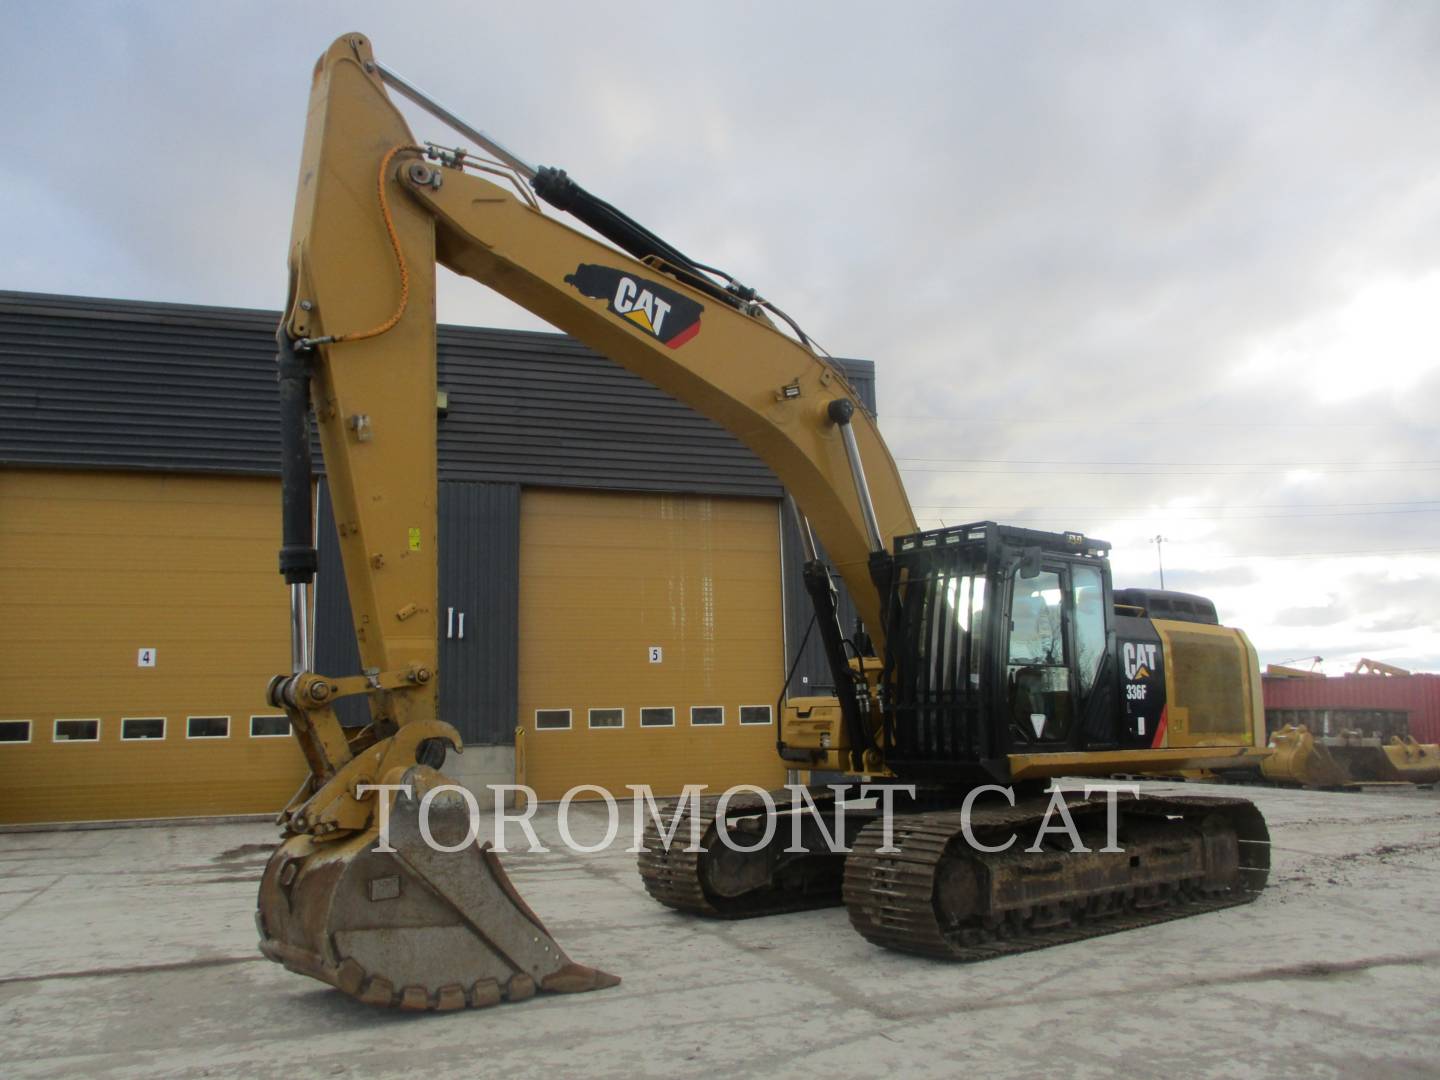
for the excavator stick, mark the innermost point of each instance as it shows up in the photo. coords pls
(397, 921)
(378, 898)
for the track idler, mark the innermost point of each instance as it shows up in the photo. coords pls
(414, 928)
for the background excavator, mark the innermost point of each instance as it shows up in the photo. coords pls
(989, 655)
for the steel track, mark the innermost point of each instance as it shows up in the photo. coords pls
(891, 897)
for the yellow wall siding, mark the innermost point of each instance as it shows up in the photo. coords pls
(95, 566)
(606, 576)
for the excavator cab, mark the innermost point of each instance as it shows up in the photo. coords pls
(1009, 655)
(1001, 642)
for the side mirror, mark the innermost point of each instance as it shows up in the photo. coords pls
(1030, 563)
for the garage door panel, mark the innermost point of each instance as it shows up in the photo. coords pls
(100, 565)
(604, 577)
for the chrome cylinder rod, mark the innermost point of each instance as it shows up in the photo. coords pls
(802, 526)
(841, 410)
(299, 628)
(445, 116)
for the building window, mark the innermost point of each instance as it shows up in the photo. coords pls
(552, 719)
(754, 714)
(141, 728)
(657, 717)
(77, 730)
(16, 731)
(607, 718)
(270, 727)
(207, 727)
(707, 715)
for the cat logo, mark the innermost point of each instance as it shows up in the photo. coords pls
(1139, 660)
(659, 311)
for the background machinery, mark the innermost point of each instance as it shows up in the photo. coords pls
(990, 655)
(1361, 737)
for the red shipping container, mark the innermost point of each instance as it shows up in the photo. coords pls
(1418, 694)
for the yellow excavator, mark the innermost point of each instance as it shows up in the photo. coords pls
(992, 659)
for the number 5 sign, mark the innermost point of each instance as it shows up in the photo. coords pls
(657, 655)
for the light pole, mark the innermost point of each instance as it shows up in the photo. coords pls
(1157, 540)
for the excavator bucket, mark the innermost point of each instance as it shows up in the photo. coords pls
(1299, 759)
(1348, 760)
(415, 927)
(1412, 762)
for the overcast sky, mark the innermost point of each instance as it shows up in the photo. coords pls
(1133, 270)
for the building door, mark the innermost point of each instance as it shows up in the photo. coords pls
(479, 601)
(651, 641)
(479, 554)
(142, 620)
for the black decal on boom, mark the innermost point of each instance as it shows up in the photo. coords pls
(655, 308)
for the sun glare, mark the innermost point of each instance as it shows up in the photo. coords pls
(1385, 339)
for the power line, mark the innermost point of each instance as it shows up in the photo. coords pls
(1142, 506)
(1238, 471)
(1256, 425)
(1334, 554)
(1239, 517)
(1428, 463)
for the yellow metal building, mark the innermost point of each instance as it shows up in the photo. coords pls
(614, 592)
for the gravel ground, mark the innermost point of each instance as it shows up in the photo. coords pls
(131, 952)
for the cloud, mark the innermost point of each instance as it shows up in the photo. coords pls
(1205, 580)
(1404, 620)
(1310, 616)
(1137, 272)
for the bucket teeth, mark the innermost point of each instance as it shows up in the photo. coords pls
(486, 992)
(521, 988)
(576, 979)
(378, 991)
(350, 977)
(410, 927)
(449, 998)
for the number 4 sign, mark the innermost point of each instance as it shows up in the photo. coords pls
(146, 658)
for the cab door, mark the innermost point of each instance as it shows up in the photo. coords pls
(1055, 656)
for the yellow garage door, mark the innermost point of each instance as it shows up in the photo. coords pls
(140, 619)
(651, 641)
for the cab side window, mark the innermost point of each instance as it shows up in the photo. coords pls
(1035, 623)
(1089, 624)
